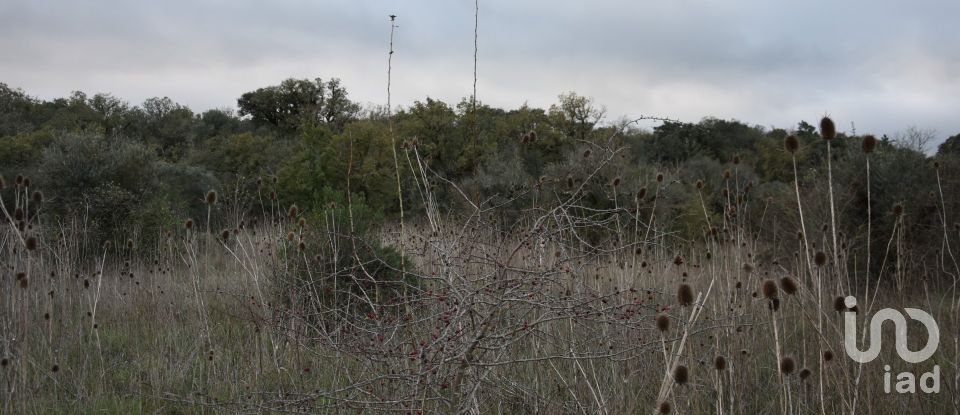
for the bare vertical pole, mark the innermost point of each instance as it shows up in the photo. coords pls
(393, 148)
(476, 21)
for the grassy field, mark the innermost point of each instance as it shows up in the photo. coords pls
(559, 308)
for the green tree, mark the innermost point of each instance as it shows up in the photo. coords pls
(297, 101)
(950, 147)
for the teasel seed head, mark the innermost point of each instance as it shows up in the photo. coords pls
(188, 224)
(211, 197)
(642, 193)
(869, 143)
(663, 408)
(791, 143)
(827, 355)
(787, 365)
(302, 222)
(769, 289)
(663, 322)
(18, 213)
(827, 129)
(726, 174)
(789, 285)
(898, 209)
(37, 196)
(659, 177)
(225, 235)
(820, 258)
(292, 212)
(26, 182)
(736, 159)
(685, 295)
(839, 305)
(533, 135)
(681, 374)
(720, 363)
(31, 243)
(290, 236)
(616, 181)
(129, 243)
(586, 153)
(804, 373)
(699, 184)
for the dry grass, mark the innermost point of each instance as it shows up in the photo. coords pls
(553, 313)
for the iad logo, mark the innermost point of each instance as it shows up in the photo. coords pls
(906, 382)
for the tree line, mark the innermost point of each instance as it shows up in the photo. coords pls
(118, 166)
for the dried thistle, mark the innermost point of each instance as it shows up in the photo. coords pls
(769, 289)
(789, 285)
(685, 295)
(681, 374)
(827, 129)
(839, 305)
(787, 365)
(663, 322)
(720, 363)
(869, 143)
(211, 197)
(791, 143)
(820, 258)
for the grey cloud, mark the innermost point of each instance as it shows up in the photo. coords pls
(884, 65)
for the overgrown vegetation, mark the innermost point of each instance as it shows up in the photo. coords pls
(552, 261)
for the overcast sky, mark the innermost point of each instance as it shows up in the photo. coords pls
(884, 65)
